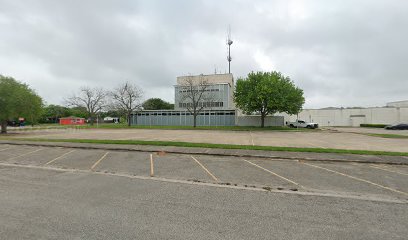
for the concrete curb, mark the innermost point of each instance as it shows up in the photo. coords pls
(294, 156)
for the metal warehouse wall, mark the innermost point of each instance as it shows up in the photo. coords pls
(353, 117)
(184, 118)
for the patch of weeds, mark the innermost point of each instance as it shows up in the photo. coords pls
(267, 188)
(225, 184)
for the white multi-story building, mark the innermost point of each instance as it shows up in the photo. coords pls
(218, 93)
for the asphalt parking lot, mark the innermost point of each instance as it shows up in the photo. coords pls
(74, 193)
(371, 181)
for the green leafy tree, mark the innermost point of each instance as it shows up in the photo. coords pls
(78, 112)
(17, 100)
(52, 113)
(268, 93)
(157, 104)
(33, 109)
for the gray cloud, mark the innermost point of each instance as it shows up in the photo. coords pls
(342, 53)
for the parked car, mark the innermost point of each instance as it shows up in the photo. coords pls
(399, 126)
(13, 123)
(302, 124)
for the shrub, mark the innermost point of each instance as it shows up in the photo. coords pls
(373, 125)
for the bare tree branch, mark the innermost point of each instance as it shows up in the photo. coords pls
(196, 95)
(127, 98)
(92, 99)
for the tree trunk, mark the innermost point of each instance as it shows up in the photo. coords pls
(262, 120)
(195, 120)
(129, 119)
(4, 126)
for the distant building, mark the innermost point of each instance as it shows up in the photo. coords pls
(398, 104)
(72, 121)
(219, 108)
(394, 112)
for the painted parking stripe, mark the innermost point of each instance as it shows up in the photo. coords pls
(99, 160)
(356, 178)
(273, 173)
(25, 154)
(131, 176)
(4, 149)
(63, 155)
(388, 170)
(205, 169)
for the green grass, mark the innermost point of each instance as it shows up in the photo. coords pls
(217, 146)
(387, 135)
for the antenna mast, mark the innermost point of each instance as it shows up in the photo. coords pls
(229, 43)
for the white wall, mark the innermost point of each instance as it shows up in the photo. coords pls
(352, 117)
(398, 104)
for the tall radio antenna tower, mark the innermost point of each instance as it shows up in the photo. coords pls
(229, 43)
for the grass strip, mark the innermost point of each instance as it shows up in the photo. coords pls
(387, 135)
(216, 146)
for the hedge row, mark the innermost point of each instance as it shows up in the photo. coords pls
(373, 125)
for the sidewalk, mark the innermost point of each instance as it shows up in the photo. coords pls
(332, 157)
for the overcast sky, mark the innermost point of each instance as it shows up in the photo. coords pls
(342, 53)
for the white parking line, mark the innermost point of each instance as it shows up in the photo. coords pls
(256, 165)
(356, 178)
(4, 149)
(63, 155)
(205, 169)
(25, 154)
(388, 170)
(131, 176)
(97, 162)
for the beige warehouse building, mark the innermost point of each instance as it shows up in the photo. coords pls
(393, 112)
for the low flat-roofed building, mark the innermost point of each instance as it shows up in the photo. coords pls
(398, 104)
(183, 118)
(392, 113)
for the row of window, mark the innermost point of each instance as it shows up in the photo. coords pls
(202, 104)
(185, 114)
(205, 90)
